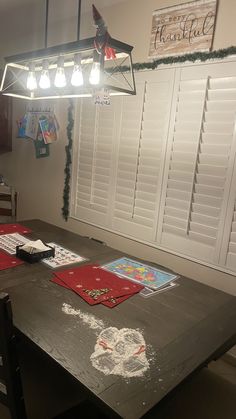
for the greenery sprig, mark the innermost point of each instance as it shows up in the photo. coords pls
(67, 170)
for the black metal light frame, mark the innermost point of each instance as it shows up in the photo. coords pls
(118, 77)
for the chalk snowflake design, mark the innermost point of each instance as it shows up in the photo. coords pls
(120, 352)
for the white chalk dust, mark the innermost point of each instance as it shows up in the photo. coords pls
(120, 352)
(86, 318)
(117, 351)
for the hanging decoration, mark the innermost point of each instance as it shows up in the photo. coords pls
(67, 171)
(41, 127)
(41, 147)
(197, 56)
(102, 37)
(102, 97)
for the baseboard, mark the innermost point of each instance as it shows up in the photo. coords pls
(230, 356)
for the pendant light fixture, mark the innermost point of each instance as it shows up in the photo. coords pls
(76, 69)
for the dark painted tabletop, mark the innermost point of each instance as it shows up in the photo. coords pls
(183, 328)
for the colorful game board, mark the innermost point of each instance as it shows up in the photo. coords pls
(146, 275)
(62, 257)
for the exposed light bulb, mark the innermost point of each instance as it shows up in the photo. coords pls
(60, 78)
(44, 81)
(77, 78)
(97, 68)
(95, 73)
(31, 79)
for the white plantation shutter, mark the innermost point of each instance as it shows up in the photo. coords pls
(213, 170)
(200, 162)
(96, 137)
(160, 167)
(183, 156)
(142, 142)
(231, 253)
(228, 248)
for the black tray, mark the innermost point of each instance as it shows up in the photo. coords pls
(34, 257)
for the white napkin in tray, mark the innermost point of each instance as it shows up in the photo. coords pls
(35, 246)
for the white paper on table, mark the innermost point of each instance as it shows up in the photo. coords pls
(35, 246)
(62, 257)
(8, 242)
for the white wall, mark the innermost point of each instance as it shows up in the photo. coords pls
(40, 182)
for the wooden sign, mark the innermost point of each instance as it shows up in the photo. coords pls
(183, 29)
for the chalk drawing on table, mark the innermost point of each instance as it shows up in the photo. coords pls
(120, 352)
(117, 351)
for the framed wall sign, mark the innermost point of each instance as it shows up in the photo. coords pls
(183, 29)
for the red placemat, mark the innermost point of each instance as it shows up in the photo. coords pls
(95, 285)
(8, 261)
(116, 301)
(108, 303)
(59, 282)
(14, 228)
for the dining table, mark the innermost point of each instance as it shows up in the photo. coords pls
(130, 357)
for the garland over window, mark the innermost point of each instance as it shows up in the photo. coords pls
(67, 170)
(196, 56)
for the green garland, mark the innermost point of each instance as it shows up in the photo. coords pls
(196, 56)
(67, 171)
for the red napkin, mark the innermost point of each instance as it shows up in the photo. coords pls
(59, 282)
(115, 301)
(13, 228)
(8, 261)
(108, 303)
(95, 285)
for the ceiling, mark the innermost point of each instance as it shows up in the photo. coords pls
(86, 4)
